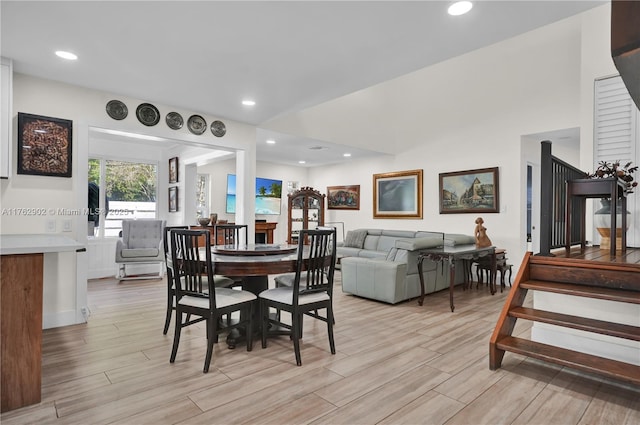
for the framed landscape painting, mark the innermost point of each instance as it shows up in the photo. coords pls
(397, 194)
(471, 191)
(343, 197)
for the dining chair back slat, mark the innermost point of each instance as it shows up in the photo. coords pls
(232, 234)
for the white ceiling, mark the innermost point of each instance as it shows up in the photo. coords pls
(206, 56)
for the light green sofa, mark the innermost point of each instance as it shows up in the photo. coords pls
(383, 264)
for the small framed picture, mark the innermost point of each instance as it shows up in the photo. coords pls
(173, 170)
(343, 197)
(44, 145)
(173, 199)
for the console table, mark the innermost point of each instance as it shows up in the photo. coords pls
(612, 188)
(451, 254)
(262, 228)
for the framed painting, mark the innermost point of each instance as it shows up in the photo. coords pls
(397, 194)
(173, 199)
(173, 170)
(44, 145)
(471, 191)
(343, 197)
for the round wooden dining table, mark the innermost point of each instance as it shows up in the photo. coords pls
(253, 263)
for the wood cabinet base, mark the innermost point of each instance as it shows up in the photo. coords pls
(21, 330)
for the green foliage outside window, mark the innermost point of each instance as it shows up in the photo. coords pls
(126, 181)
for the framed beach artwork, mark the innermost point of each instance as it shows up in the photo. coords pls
(397, 194)
(471, 191)
(343, 197)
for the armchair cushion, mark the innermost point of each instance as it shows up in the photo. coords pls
(139, 252)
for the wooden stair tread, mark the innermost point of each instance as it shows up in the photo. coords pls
(586, 362)
(575, 322)
(582, 290)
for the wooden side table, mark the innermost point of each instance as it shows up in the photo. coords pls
(612, 188)
(484, 266)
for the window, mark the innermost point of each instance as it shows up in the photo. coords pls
(119, 190)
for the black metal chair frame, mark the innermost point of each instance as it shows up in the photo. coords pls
(314, 275)
(194, 278)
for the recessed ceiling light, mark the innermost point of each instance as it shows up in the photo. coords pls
(346, 154)
(271, 142)
(66, 55)
(302, 162)
(459, 8)
(248, 102)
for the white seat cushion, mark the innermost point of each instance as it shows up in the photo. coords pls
(225, 297)
(219, 281)
(284, 295)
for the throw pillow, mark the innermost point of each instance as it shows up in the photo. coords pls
(355, 238)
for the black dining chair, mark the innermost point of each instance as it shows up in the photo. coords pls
(220, 281)
(197, 295)
(311, 291)
(231, 234)
(166, 241)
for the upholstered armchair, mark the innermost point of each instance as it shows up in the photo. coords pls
(141, 243)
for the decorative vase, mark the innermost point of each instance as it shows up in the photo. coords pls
(214, 218)
(602, 221)
(204, 221)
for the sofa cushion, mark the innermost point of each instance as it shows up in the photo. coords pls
(355, 238)
(418, 243)
(453, 239)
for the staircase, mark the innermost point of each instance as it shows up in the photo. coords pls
(581, 278)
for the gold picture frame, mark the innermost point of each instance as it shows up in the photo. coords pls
(397, 194)
(343, 197)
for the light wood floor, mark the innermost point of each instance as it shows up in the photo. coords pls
(401, 364)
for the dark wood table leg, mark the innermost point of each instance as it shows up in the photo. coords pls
(493, 273)
(421, 277)
(254, 284)
(452, 278)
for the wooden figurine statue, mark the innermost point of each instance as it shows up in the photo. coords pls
(482, 240)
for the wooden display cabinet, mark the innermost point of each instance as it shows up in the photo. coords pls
(306, 211)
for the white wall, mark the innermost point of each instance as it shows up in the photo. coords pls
(65, 288)
(218, 176)
(466, 113)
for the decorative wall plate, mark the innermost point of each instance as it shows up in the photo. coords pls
(174, 120)
(196, 124)
(117, 110)
(148, 114)
(218, 128)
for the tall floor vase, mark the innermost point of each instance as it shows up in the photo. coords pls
(602, 221)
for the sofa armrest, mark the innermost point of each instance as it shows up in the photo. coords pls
(377, 279)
